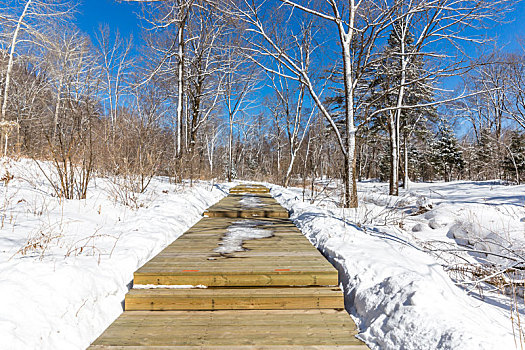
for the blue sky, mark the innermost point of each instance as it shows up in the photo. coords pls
(122, 15)
(509, 32)
(118, 15)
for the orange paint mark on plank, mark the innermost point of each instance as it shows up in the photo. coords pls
(190, 270)
(282, 269)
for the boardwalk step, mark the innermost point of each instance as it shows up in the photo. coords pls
(232, 330)
(246, 214)
(234, 299)
(228, 278)
(249, 189)
(247, 205)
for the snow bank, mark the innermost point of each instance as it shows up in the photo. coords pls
(400, 296)
(65, 265)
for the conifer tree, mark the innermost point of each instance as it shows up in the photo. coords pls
(446, 156)
(485, 161)
(400, 74)
(514, 162)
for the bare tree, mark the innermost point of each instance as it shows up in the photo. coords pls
(28, 21)
(116, 65)
(212, 138)
(171, 50)
(291, 110)
(421, 30)
(71, 140)
(516, 106)
(238, 80)
(206, 30)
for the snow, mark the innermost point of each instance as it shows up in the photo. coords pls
(65, 265)
(250, 201)
(171, 286)
(240, 231)
(399, 294)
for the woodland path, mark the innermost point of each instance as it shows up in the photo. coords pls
(267, 287)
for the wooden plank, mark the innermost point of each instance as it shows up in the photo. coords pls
(247, 214)
(297, 329)
(264, 206)
(238, 279)
(235, 347)
(249, 189)
(313, 260)
(234, 299)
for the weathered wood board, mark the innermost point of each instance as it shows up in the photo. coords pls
(247, 205)
(235, 299)
(249, 188)
(285, 259)
(246, 329)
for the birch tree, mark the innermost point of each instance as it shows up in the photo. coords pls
(398, 78)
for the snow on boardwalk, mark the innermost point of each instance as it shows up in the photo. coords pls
(285, 295)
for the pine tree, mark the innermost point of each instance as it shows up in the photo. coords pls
(386, 87)
(484, 156)
(514, 162)
(446, 156)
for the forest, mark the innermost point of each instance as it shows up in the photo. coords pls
(282, 91)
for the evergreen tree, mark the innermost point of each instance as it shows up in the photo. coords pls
(514, 162)
(485, 160)
(446, 154)
(385, 88)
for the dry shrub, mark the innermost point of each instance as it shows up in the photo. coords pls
(134, 150)
(40, 241)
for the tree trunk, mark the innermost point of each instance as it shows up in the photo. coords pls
(394, 155)
(349, 152)
(230, 150)
(289, 170)
(11, 59)
(180, 101)
(406, 179)
(394, 185)
(57, 108)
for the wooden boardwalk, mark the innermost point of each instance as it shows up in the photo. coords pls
(214, 288)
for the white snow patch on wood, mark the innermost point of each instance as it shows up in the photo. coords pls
(170, 286)
(248, 201)
(239, 232)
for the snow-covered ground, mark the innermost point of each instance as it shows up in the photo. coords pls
(392, 254)
(65, 265)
